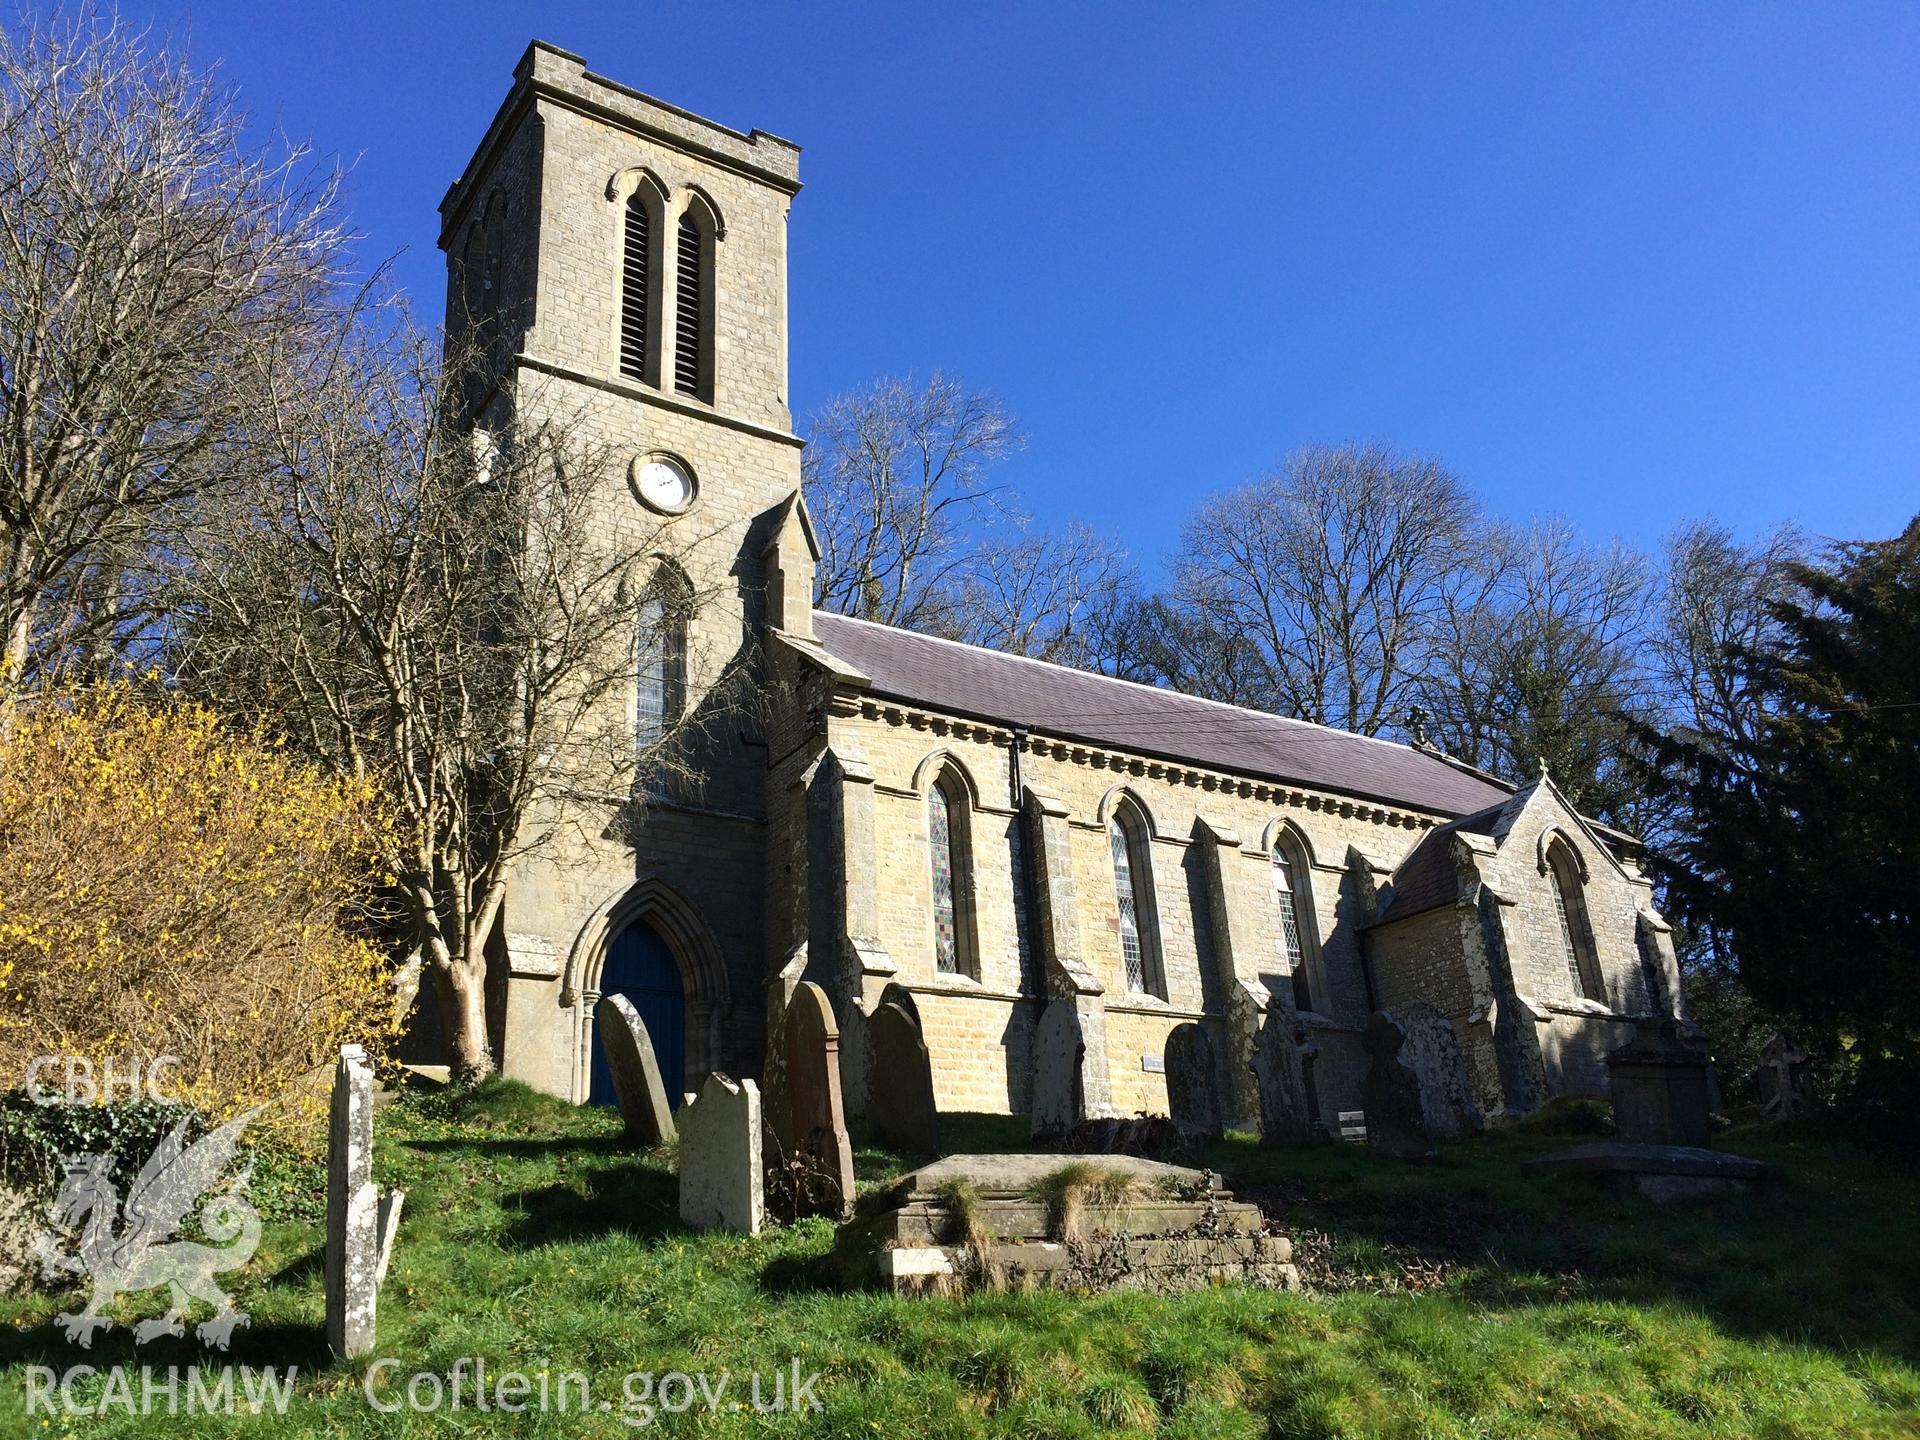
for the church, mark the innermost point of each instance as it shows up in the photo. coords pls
(988, 834)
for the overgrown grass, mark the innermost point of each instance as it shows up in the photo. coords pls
(1454, 1299)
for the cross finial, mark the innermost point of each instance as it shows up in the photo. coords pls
(1417, 725)
(1542, 760)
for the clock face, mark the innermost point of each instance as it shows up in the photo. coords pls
(663, 484)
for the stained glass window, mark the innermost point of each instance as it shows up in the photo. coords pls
(946, 929)
(1133, 899)
(1290, 942)
(661, 672)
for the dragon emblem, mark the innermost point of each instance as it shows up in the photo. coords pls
(127, 1248)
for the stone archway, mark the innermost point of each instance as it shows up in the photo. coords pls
(656, 905)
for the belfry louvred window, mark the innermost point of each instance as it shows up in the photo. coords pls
(689, 350)
(635, 263)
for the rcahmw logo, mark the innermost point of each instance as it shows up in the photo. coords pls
(148, 1391)
(126, 1248)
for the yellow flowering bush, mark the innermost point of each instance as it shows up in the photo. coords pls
(171, 888)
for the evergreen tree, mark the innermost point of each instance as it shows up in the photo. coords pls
(1799, 852)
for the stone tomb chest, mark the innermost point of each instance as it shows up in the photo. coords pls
(1058, 1222)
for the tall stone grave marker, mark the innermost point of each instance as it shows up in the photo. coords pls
(722, 1175)
(900, 1106)
(360, 1227)
(1057, 1047)
(1193, 1087)
(816, 1132)
(1396, 1116)
(1433, 1054)
(636, 1073)
(1279, 1074)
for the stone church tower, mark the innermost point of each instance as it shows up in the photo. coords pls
(623, 263)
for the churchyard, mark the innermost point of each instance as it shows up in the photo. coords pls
(1456, 1297)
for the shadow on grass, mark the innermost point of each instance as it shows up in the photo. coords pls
(1823, 1255)
(641, 1201)
(801, 1275)
(278, 1344)
(612, 1146)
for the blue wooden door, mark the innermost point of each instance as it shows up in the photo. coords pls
(641, 967)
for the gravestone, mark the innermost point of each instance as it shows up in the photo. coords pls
(1193, 1088)
(816, 1134)
(386, 1225)
(1662, 1119)
(1396, 1116)
(357, 1248)
(1433, 1054)
(900, 1106)
(1310, 1057)
(636, 1073)
(1057, 1048)
(722, 1176)
(1659, 1085)
(894, 993)
(1280, 1079)
(1786, 1082)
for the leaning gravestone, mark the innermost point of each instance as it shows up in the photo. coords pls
(1279, 1077)
(900, 1105)
(636, 1073)
(1396, 1116)
(1057, 1048)
(1433, 1054)
(1193, 1089)
(360, 1223)
(816, 1135)
(722, 1179)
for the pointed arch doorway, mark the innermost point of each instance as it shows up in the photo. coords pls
(647, 943)
(641, 967)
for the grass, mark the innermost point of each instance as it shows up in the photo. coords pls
(1453, 1299)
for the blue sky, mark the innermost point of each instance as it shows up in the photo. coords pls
(1628, 263)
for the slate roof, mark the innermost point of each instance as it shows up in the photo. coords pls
(1057, 701)
(1426, 879)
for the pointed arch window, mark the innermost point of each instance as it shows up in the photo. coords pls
(1299, 934)
(660, 689)
(1570, 916)
(636, 279)
(952, 874)
(693, 303)
(1127, 837)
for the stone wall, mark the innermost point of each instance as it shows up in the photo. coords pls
(975, 1026)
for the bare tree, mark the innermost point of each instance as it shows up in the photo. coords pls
(450, 613)
(1043, 593)
(1716, 604)
(1539, 662)
(1314, 592)
(896, 479)
(146, 252)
